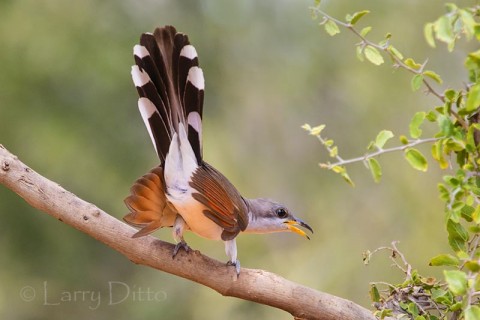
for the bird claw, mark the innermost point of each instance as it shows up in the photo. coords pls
(236, 264)
(181, 244)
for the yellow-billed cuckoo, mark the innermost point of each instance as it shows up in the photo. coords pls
(185, 192)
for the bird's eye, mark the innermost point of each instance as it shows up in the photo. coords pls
(281, 213)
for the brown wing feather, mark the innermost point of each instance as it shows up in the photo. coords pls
(225, 205)
(149, 208)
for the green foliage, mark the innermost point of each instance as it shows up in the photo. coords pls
(373, 55)
(331, 27)
(382, 138)
(416, 159)
(455, 147)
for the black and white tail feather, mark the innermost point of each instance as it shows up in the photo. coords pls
(171, 89)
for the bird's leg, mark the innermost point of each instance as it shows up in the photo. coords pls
(177, 231)
(231, 250)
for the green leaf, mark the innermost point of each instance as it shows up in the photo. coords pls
(450, 94)
(457, 235)
(384, 313)
(357, 16)
(451, 7)
(471, 144)
(412, 308)
(467, 212)
(417, 81)
(417, 120)
(375, 169)
(473, 99)
(442, 296)
(445, 124)
(315, 131)
(472, 313)
(373, 55)
(346, 177)
(359, 52)
(462, 255)
(431, 116)
(433, 75)
(444, 260)
(306, 127)
(444, 194)
(412, 64)
(468, 23)
(477, 32)
(331, 28)
(342, 171)
(472, 265)
(456, 230)
(365, 31)
(456, 306)
(333, 152)
(403, 140)
(444, 30)
(476, 215)
(382, 138)
(428, 33)
(457, 281)
(374, 294)
(395, 52)
(416, 159)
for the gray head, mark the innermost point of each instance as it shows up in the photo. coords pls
(266, 216)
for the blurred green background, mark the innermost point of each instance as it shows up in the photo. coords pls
(68, 110)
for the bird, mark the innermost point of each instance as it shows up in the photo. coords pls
(184, 192)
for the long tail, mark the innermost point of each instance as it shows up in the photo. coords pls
(171, 88)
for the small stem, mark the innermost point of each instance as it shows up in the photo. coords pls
(329, 149)
(413, 143)
(460, 120)
(404, 260)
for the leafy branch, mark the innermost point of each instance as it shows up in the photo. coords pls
(455, 146)
(453, 118)
(370, 50)
(375, 149)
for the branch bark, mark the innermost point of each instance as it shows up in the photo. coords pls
(255, 285)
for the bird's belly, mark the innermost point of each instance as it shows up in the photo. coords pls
(192, 212)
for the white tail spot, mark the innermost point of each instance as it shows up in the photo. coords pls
(140, 51)
(140, 78)
(189, 52)
(147, 108)
(195, 76)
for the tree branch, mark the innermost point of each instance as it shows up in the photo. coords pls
(254, 285)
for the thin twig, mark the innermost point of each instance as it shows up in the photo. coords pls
(411, 144)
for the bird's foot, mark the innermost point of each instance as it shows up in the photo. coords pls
(181, 244)
(236, 264)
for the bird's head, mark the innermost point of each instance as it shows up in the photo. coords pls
(266, 216)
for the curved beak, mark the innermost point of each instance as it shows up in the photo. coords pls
(292, 226)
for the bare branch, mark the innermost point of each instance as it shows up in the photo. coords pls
(255, 285)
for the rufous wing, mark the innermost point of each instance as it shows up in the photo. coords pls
(224, 204)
